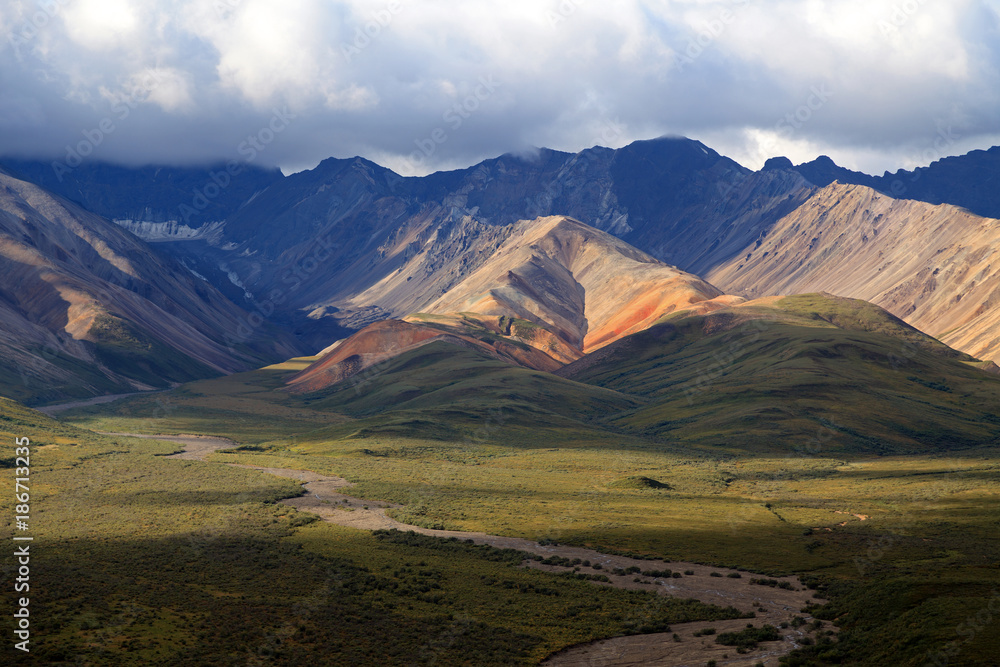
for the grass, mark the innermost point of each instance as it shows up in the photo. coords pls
(440, 376)
(929, 528)
(145, 560)
(45, 375)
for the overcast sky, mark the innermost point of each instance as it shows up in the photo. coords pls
(431, 84)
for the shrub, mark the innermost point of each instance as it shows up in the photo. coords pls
(748, 638)
(657, 573)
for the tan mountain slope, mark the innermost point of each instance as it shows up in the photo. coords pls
(551, 291)
(584, 285)
(936, 267)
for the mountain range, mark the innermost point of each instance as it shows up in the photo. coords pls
(539, 260)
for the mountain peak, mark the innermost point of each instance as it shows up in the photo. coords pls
(777, 163)
(586, 286)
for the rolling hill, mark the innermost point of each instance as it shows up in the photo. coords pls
(798, 375)
(324, 253)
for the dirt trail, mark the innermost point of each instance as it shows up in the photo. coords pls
(196, 447)
(771, 605)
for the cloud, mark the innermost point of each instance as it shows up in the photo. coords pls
(100, 25)
(397, 80)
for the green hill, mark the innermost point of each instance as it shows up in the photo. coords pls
(441, 389)
(802, 374)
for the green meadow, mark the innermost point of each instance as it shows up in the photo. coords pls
(139, 559)
(902, 584)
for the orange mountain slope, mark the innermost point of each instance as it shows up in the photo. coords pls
(552, 291)
(584, 285)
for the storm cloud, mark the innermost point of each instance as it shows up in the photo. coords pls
(421, 86)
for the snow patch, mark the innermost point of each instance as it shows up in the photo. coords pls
(172, 230)
(234, 278)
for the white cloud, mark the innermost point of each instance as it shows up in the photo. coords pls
(100, 25)
(169, 88)
(351, 98)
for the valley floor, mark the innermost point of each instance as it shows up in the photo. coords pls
(684, 644)
(902, 550)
